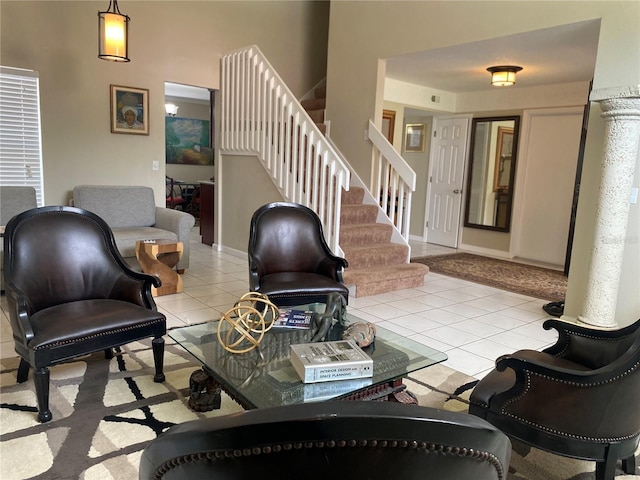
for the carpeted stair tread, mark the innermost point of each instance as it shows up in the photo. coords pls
(382, 254)
(377, 280)
(353, 196)
(358, 214)
(316, 115)
(365, 233)
(314, 104)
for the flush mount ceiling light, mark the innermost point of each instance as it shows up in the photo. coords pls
(171, 109)
(503, 75)
(113, 33)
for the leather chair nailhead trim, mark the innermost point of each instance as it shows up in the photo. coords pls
(109, 332)
(350, 443)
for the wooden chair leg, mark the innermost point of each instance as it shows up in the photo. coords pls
(23, 371)
(41, 381)
(157, 346)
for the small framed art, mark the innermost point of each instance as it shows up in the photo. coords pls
(414, 137)
(129, 110)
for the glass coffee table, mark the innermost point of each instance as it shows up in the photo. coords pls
(264, 377)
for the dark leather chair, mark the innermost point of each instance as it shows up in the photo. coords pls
(579, 398)
(338, 440)
(289, 259)
(70, 293)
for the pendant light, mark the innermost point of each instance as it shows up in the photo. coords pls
(503, 75)
(113, 34)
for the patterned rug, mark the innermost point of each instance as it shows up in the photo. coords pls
(515, 277)
(105, 412)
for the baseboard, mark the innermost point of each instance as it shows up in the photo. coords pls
(232, 251)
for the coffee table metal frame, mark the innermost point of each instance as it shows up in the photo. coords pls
(264, 377)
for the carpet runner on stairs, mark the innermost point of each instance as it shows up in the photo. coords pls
(376, 265)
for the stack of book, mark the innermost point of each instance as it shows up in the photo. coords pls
(328, 361)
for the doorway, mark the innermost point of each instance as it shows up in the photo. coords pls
(446, 177)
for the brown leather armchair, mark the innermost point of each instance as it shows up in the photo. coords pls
(289, 259)
(579, 398)
(339, 440)
(70, 293)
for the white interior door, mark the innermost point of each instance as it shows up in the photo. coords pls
(448, 154)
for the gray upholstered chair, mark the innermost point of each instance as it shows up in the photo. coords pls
(14, 200)
(579, 398)
(341, 440)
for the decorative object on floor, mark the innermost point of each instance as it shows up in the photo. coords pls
(113, 34)
(123, 411)
(344, 440)
(555, 309)
(205, 394)
(515, 277)
(334, 313)
(70, 293)
(577, 398)
(364, 333)
(246, 323)
(289, 259)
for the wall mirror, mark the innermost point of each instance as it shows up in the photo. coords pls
(492, 161)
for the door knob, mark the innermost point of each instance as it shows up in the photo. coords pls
(456, 191)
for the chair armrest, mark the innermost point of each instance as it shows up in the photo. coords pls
(135, 287)
(19, 311)
(332, 266)
(179, 223)
(603, 402)
(175, 221)
(254, 276)
(588, 346)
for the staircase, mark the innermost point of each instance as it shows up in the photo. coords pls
(376, 264)
(260, 116)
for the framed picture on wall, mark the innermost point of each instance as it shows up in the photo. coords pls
(129, 110)
(414, 137)
(188, 141)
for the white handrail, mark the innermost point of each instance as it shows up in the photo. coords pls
(260, 115)
(393, 181)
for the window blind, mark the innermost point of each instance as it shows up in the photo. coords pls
(20, 141)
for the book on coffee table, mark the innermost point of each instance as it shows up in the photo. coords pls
(294, 319)
(328, 361)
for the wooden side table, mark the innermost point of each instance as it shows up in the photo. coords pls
(158, 257)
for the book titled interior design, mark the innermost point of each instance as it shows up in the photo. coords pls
(328, 361)
(294, 319)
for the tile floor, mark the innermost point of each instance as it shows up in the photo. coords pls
(472, 323)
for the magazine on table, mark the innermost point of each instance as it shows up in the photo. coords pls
(294, 319)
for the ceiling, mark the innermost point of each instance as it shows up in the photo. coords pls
(554, 55)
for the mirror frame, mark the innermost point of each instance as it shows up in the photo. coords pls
(512, 173)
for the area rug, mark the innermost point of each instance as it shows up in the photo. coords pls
(515, 277)
(106, 411)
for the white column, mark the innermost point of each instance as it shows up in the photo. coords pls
(622, 140)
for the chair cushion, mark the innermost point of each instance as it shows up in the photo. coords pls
(299, 285)
(68, 329)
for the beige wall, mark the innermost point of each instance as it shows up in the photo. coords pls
(395, 28)
(180, 42)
